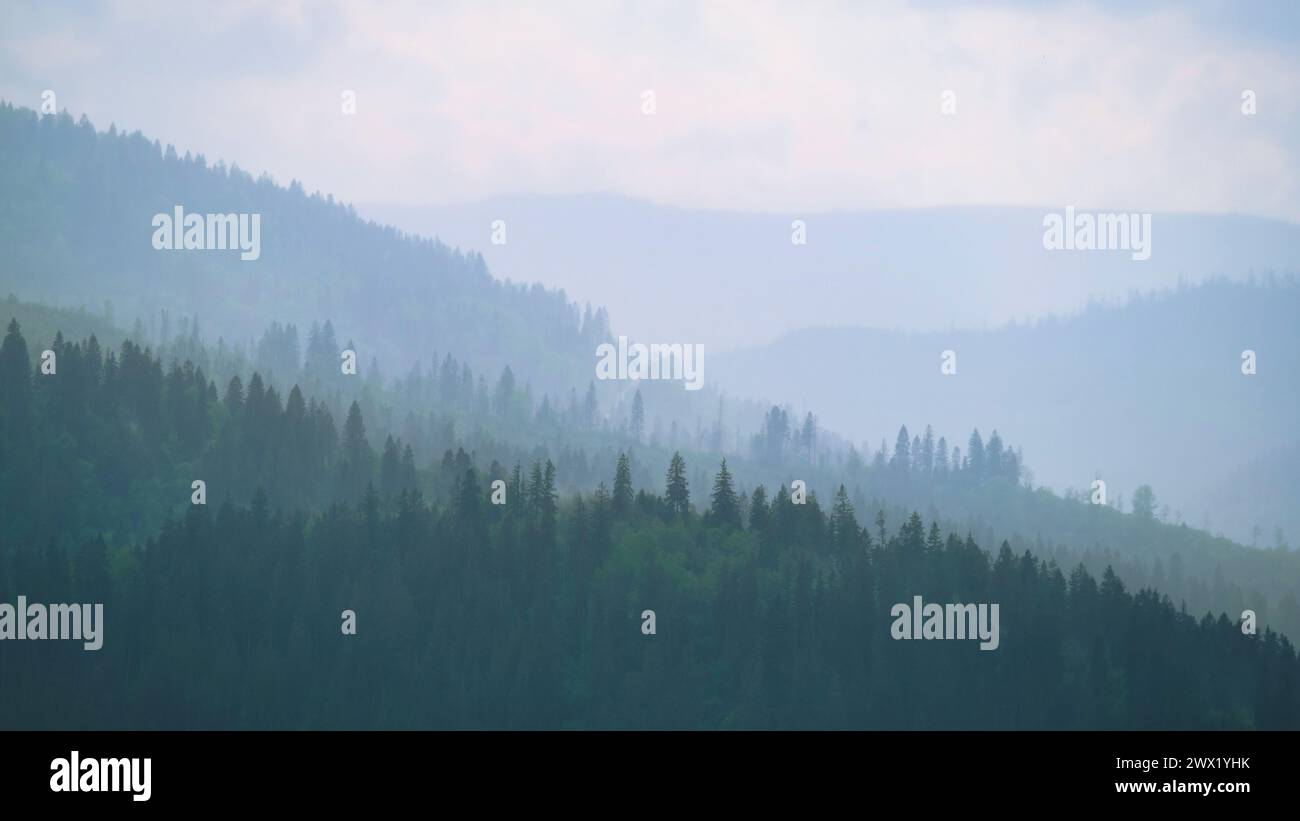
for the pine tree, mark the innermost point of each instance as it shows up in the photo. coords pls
(677, 492)
(622, 502)
(941, 458)
(975, 456)
(515, 487)
(15, 383)
(775, 433)
(725, 507)
(993, 456)
(356, 450)
(546, 501)
(927, 452)
(808, 438)
(469, 496)
(934, 542)
(758, 510)
(903, 452)
(844, 524)
(535, 487)
(1144, 503)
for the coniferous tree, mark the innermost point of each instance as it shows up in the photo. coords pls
(758, 510)
(536, 481)
(677, 493)
(993, 456)
(902, 452)
(357, 456)
(975, 456)
(622, 502)
(927, 452)
(844, 524)
(725, 507)
(15, 381)
(1144, 503)
(808, 437)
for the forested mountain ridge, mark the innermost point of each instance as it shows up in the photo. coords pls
(1149, 390)
(611, 611)
(60, 174)
(96, 466)
(924, 269)
(75, 222)
(124, 437)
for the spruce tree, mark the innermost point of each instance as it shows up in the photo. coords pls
(678, 494)
(975, 456)
(903, 451)
(993, 456)
(356, 450)
(725, 507)
(844, 524)
(758, 509)
(15, 380)
(622, 502)
(927, 451)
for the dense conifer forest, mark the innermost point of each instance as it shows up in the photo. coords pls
(521, 545)
(531, 613)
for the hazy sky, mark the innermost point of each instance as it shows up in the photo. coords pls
(758, 106)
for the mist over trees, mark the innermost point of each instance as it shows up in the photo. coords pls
(152, 430)
(403, 293)
(380, 426)
(527, 616)
(1147, 392)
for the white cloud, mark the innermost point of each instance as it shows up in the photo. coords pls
(760, 105)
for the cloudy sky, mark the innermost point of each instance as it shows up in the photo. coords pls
(757, 106)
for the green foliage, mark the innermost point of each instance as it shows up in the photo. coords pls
(475, 616)
(75, 218)
(230, 618)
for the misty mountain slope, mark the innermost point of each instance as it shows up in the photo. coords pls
(1261, 499)
(41, 324)
(151, 401)
(730, 279)
(1148, 392)
(775, 606)
(76, 213)
(63, 191)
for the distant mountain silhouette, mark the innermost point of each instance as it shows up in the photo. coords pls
(732, 279)
(1147, 392)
